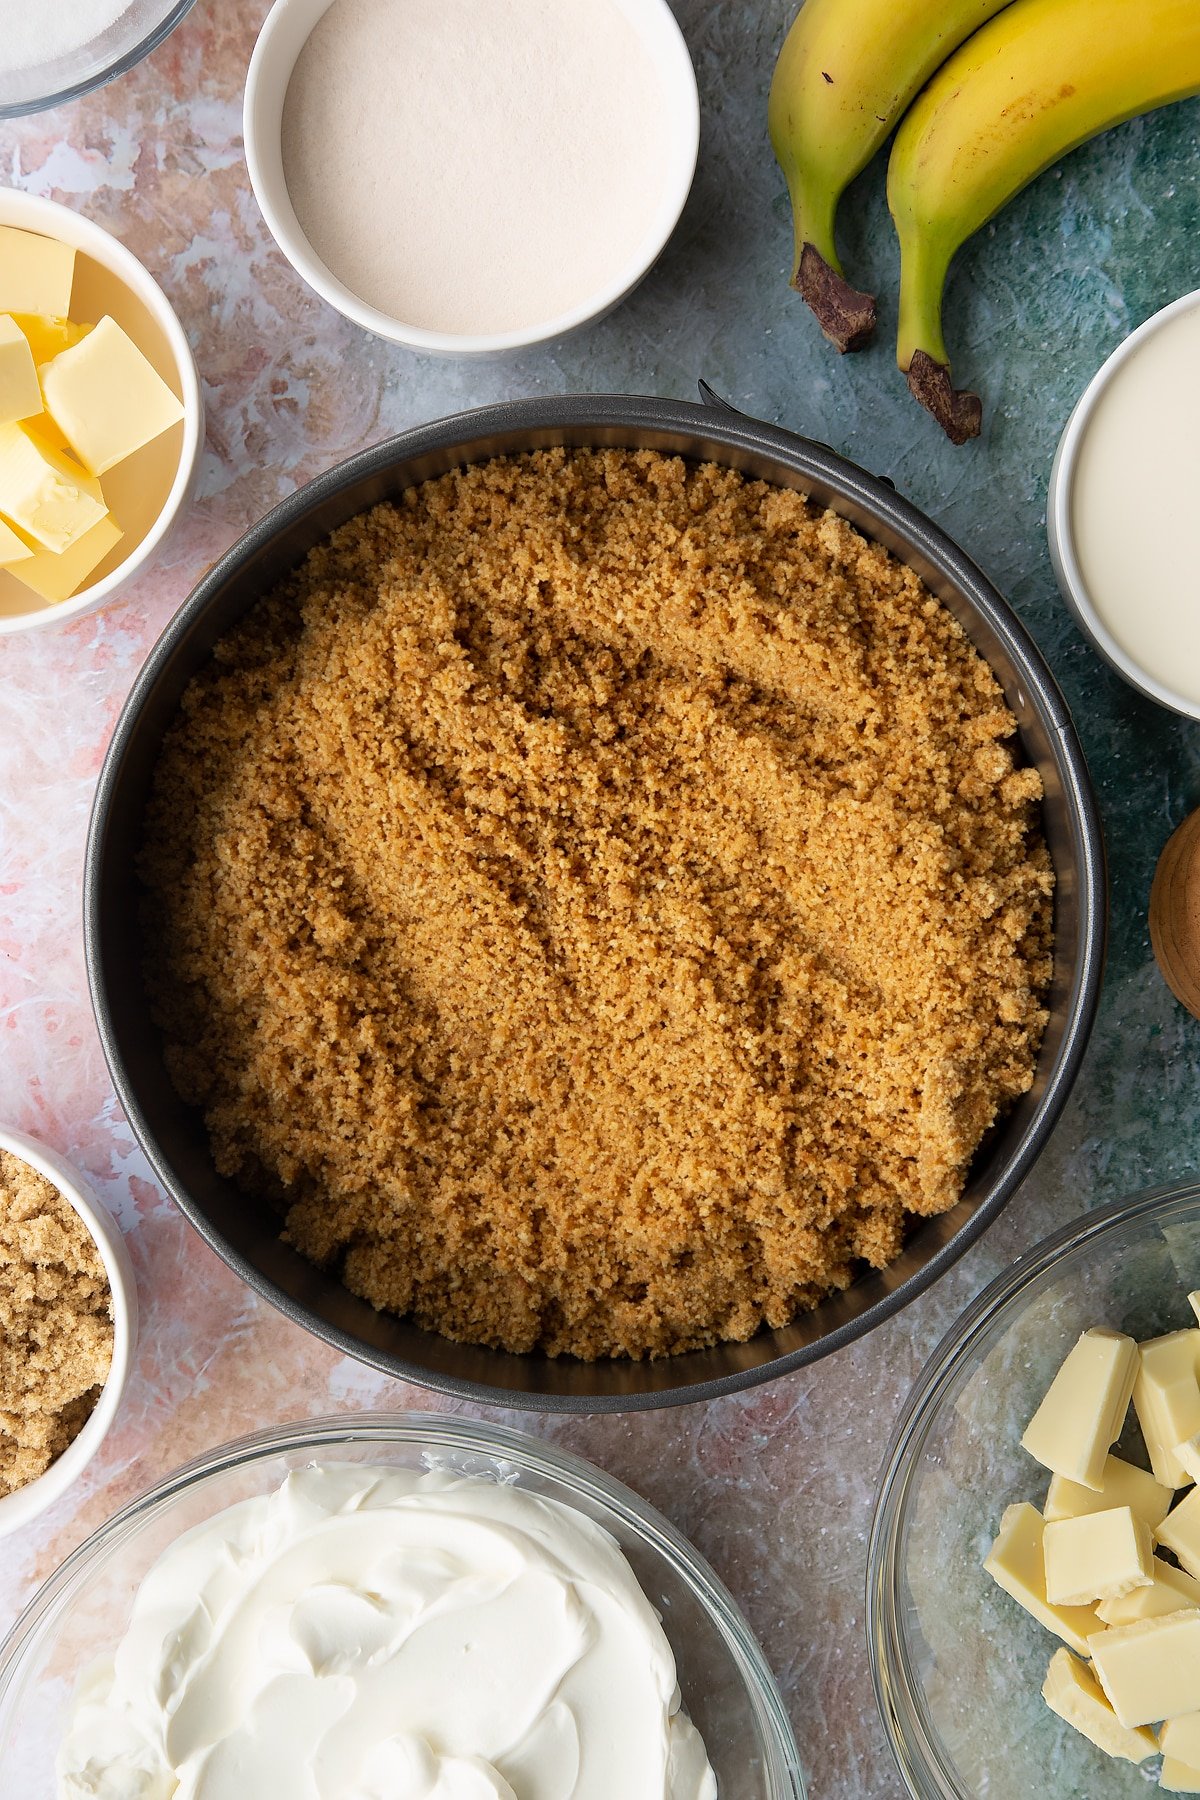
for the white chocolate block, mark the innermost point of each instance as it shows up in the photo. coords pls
(1122, 1484)
(106, 398)
(57, 576)
(12, 548)
(1180, 1532)
(1166, 1395)
(36, 273)
(1171, 1590)
(1072, 1691)
(1187, 1455)
(1194, 1302)
(1180, 1738)
(42, 492)
(1177, 1777)
(1099, 1556)
(1085, 1407)
(20, 395)
(1017, 1563)
(1151, 1669)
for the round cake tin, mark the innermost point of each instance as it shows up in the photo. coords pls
(246, 1233)
(82, 1611)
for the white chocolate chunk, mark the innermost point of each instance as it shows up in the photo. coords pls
(1100, 1556)
(1180, 1738)
(20, 395)
(1017, 1563)
(1151, 1669)
(42, 492)
(1180, 1532)
(1187, 1455)
(57, 576)
(1072, 1691)
(36, 273)
(1166, 1396)
(1084, 1408)
(1177, 1777)
(1122, 1484)
(106, 398)
(1171, 1590)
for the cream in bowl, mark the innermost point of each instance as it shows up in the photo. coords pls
(101, 419)
(1122, 496)
(471, 175)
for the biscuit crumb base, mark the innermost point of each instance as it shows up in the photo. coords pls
(596, 902)
(56, 1326)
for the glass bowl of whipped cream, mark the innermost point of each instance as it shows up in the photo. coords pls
(403, 1607)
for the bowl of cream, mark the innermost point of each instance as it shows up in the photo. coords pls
(390, 1608)
(1122, 490)
(470, 177)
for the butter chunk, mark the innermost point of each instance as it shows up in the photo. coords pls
(20, 395)
(58, 576)
(12, 548)
(1180, 1532)
(106, 398)
(1166, 1397)
(1100, 1556)
(44, 493)
(1151, 1669)
(1072, 1691)
(36, 273)
(1170, 1591)
(1180, 1738)
(48, 338)
(1177, 1777)
(1084, 1408)
(1017, 1563)
(1122, 1484)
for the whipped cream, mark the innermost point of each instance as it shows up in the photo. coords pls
(382, 1634)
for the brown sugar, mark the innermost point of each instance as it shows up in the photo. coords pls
(595, 900)
(56, 1326)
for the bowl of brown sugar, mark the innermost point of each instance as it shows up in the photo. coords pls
(68, 1325)
(618, 904)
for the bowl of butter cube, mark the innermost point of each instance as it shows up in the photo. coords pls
(1034, 1564)
(101, 415)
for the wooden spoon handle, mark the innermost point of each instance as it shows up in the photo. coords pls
(1175, 913)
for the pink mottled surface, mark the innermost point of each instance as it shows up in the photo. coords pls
(774, 1486)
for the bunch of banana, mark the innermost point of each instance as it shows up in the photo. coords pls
(1034, 81)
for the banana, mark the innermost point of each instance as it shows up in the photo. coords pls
(1042, 77)
(847, 71)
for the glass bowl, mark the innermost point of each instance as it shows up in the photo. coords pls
(139, 30)
(958, 1666)
(84, 1608)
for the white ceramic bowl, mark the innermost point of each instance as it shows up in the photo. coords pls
(38, 1496)
(288, 27)
(149, 490)
(1060, 528)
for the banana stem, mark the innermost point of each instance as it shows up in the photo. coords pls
(845, 315)
(921, 348)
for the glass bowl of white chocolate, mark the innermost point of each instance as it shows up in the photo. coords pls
(1033, 1602)
(389, 1605)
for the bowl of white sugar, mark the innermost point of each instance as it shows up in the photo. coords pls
(55, 50)
(469, 177)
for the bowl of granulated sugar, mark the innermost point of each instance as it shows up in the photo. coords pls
(470, 177)
(55, 50)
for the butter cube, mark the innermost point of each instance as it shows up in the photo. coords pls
(20, 395)
(1017, 1563)
(1180, 1738)
(36, 273)
(1166, 1396)
(1121, 1484)
(48, 337)
(1085, 1408)
(12, 548)
(1180, 1532)
(1170, 1591)
(1100, 1556)
(106, 398)
(44, 493)
(1151, 1669)
(58, 576)
(1177, 1777)
(1072, 1691)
